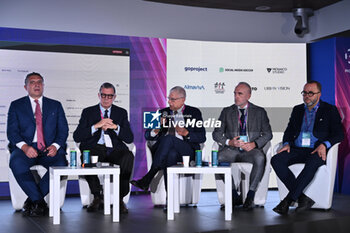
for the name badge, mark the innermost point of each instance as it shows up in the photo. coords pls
(244, 138)
(306, 139)
(108, 140)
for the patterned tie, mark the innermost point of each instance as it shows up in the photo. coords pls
(106, 114)
(242, 125)
(39, 126)
(171, 130)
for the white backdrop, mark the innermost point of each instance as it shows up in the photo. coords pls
(209, 71)
(71, 78)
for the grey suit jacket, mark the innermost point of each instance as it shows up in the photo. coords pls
(258, 126)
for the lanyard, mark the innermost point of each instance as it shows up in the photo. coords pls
(102, 114)
(308, 123)
(243, 124)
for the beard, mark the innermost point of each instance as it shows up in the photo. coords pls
(312, 102)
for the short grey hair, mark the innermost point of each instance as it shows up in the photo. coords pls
(107, 85)
(247, 85)
(179, 90)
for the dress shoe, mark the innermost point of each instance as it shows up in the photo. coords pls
(27, 207)
(283, 207)
(39, 209)
(238, 201)
(248, 204)
(95, 205)
(235, 202)
(123, 208)
(304, 203)
(139, 184)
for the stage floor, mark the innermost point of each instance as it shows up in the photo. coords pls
(207, 217)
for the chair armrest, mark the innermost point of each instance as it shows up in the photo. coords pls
(332, 156)
(149, 158)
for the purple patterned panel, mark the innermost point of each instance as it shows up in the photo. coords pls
(342, 99)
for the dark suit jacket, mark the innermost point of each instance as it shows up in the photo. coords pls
(259, 129)
(196, 134)
(21, 123)
(327, 125)
(91, 116)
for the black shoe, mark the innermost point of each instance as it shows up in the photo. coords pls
(248, 204)
(39, 209)
(304, 203)
(139, 184)
(283, 207)
(27, 207)
(95, 205)
(123, 208)
(238, 201)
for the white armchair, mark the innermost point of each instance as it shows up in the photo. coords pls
(321, 188)
(190, 185)
(18, 197)
(85, 194)
(241, 173)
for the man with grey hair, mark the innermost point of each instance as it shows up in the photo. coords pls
(244, 131)
(173, 139)
(104, 129)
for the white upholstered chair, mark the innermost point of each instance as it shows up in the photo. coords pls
(241, 173)
(18, 197)
(321, 188)
(85, 193)
(190, 185)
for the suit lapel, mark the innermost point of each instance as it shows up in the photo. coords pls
(234, 117)
(251, 119)
(45, 109)
(29, 110)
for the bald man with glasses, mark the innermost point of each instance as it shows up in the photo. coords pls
(313, 128)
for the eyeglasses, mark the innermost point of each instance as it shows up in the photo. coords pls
(174, 99)
(39, 82)
(310, 93)
(109, 96)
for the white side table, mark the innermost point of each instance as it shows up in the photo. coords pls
(173, 186)
(55, 177)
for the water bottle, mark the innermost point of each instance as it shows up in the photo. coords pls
(73, 158)
(198, 158)
(86, 156)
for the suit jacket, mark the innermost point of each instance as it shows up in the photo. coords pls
(21, 124)
(327, 125)
(258, 126)
(91, 116)
(195, 136)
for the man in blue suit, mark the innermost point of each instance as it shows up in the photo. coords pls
(313, 128)
(171, 143)
(37, 130)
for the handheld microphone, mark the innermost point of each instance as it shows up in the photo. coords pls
(98, 164)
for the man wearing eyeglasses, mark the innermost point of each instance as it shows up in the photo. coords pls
(171, 143)
(37, 130)
(313, 128)
(103, 129)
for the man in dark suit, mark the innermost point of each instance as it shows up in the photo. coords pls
(103, 129)
(313, 128)
(37, 130)
(244, 131)
(171, 143)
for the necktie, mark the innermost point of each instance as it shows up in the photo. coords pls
(106, 114)
(39, 126)
(242, 125)
(171, 130)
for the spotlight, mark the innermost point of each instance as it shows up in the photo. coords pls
(302, 15)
